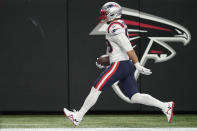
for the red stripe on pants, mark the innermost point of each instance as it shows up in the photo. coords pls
(109, 76)
(105, 75)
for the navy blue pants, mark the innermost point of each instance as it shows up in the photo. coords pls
(122, 71)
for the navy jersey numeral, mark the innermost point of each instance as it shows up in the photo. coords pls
(110, 49)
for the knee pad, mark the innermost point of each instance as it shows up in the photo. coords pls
(135, 97)
(138, 97)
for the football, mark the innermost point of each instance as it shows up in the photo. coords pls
(103, 60)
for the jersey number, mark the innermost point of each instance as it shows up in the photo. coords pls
(109, 47)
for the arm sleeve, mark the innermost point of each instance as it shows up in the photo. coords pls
(122, 40)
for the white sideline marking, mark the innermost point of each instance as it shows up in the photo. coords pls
(98, 129)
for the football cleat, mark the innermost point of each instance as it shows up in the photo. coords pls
(168, 111)
(73, 116)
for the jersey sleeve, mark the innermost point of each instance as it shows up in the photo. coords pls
(116, 28)
(122, 40)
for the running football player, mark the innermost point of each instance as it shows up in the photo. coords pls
(123, 62)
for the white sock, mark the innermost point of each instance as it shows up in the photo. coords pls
(89, 102)
(147, 100)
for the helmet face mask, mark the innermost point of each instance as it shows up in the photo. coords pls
(109, 12)
(103, 16)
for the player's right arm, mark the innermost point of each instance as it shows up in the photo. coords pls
(122, 40)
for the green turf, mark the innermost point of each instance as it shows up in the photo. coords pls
(96, 121)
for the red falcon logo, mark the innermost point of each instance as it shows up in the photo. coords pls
(153, 33)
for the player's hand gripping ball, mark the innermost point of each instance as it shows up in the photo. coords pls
(102, 61)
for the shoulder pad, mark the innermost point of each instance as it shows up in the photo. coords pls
(122, 22)
(116, 28)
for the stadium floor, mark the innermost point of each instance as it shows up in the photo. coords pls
(99, 129)
(98, 121)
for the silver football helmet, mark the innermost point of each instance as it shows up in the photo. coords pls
(110, 11)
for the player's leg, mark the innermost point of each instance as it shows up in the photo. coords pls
(103, 80)
(97, 88)
(89, 101)
(77, 116)
(146, 99)
(131, 90)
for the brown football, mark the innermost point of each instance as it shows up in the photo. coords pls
(103, 60)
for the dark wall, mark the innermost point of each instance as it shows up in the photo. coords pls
(48, 57)
(174, 79)
(33, 55)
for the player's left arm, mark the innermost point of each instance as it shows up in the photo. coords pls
(122, 40)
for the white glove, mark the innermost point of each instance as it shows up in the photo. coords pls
(142, 69)
(100, 66)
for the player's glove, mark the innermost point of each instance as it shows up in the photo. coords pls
(100, 66)
(142, 69)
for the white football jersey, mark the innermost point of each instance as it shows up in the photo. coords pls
(117, 51)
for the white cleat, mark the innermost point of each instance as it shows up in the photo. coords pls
(72, 116)
(168, 111)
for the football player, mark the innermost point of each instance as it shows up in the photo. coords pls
(123, 62)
